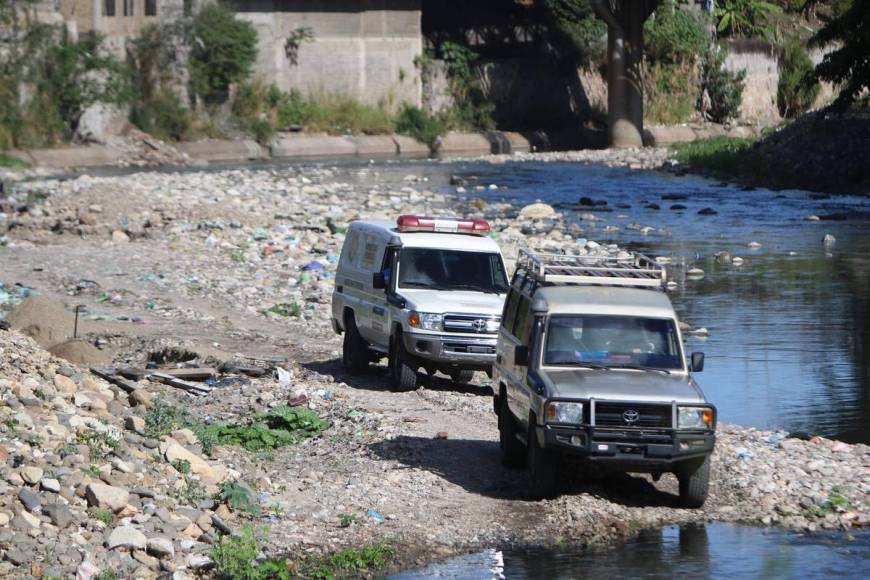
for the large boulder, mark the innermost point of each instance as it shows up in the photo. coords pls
(99, 122)
(106, 496)
(537, 211)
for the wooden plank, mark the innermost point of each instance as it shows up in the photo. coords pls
(108, 374)
(134, 374)
(197, 374)
(179, 384)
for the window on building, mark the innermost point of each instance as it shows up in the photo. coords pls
(108, 7)
(129, 7)
(150, 7)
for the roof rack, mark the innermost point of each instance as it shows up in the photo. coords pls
(634, 270)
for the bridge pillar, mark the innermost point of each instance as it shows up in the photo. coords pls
(624, 20)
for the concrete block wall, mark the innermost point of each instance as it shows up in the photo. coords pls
(362, 48)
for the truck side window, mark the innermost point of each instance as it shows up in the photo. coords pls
(510, 310)
(523, 309)
(350, 251)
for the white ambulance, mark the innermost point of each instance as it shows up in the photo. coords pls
(424, 292)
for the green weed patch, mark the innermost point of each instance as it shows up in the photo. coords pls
(277, 427)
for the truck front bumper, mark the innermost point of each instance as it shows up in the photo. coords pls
(649, 449)
(476, 352)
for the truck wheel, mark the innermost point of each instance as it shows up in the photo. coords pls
(542, 468)
(694, 485)
(512, 453)
(402, 371)
(462, 377)
(354, 350)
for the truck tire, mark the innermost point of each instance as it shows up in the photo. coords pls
(513, 455)
(402, 370)
(354, 349)
(694, 485)
(462, 377)
(541, 465)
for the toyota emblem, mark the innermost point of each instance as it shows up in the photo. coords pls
(479, 325)
(630, 416)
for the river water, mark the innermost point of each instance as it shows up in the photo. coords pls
(788, 345)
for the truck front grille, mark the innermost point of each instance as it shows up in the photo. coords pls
(471, 323)
(632, 415)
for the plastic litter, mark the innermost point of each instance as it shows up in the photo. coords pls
(284, 376)
(743, 453)
(376, 516)
(312, 266)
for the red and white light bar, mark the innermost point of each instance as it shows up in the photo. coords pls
(414, 223)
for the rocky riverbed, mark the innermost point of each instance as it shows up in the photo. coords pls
(234, 269)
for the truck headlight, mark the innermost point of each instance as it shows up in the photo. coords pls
(695, 418)
(425, 320)
(565, 412)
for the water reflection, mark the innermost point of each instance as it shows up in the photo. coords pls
(686, 551)
(698, 551)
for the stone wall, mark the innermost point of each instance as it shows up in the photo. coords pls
(362, 48)
(761, 63)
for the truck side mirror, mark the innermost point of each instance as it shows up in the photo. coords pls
(697, 362)
(521, 355)
(379, 281)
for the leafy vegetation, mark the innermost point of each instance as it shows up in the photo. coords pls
(238, 497)
(674, 36)
(670, 92)
(346, 520)
(798, 88)
(48, 79)
(723, 88)
(104, 515)
(223, 51)
(848, 65)
(471, 109)
(286, 309)
(10, 161)
(164, 116)
(274, 428)
(163, 418)
(745, 17)
(234, 558)
(100, 443)
(416, 123)
(578, 32)
(352, 562)
(721, 156)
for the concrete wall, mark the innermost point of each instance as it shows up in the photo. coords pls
(761, 64)
(362, 48)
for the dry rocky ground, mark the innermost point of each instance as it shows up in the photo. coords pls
(204, 268)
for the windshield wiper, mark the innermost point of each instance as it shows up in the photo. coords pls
(420, 285)
(473, 287)
(583, 365)
(640, 368)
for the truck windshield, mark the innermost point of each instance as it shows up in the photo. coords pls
(612, 342)
(452, 270)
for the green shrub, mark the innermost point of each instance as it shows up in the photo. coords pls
(353, 562)
(745, 17)
(414, 122)
(238, 498)
(277, 427)
(798, 88)
(47, 80)
(9, 161)
(578, 32)
(163, 116)
(222, 51)
(724, 88)
(674, 36)
(234, 557)
(722, 156)
(670, 92)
